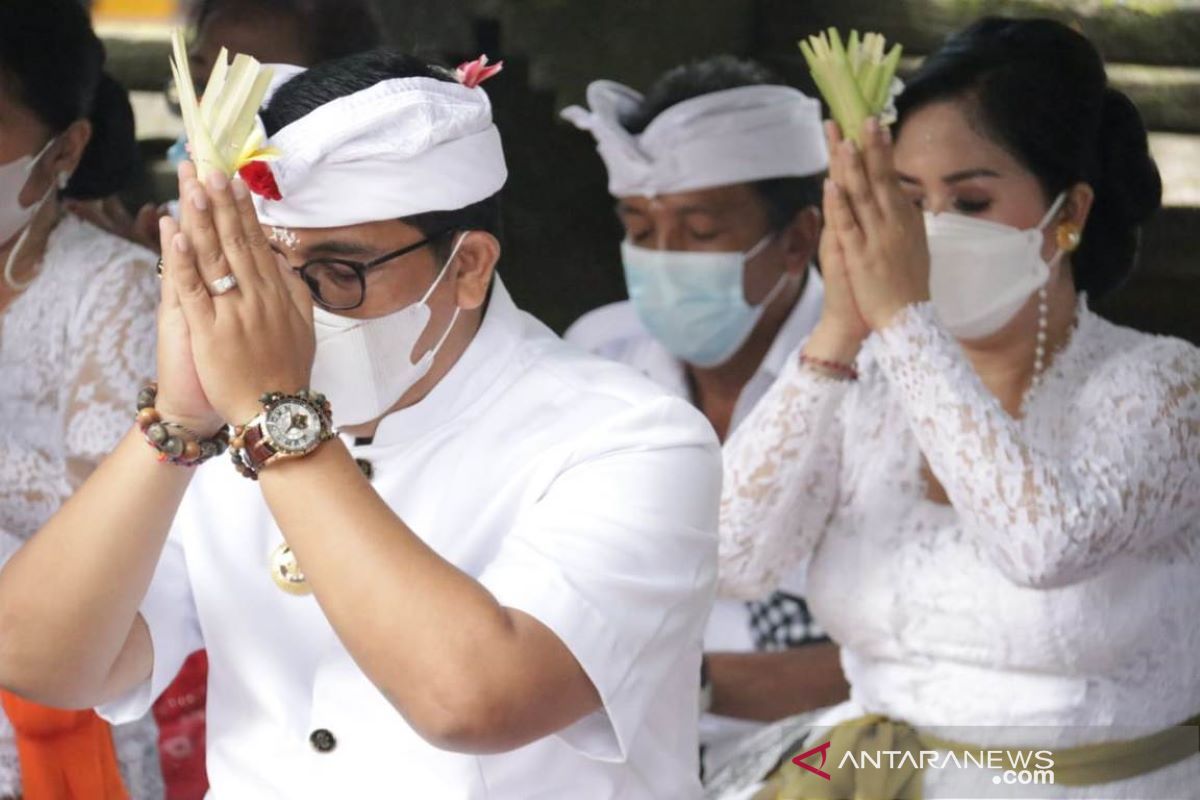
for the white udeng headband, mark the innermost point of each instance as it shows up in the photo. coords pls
(402, 147)
(740, 135)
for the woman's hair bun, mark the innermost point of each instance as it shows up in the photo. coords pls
(1128, 177)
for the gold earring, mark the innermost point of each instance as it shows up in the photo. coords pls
(1069, 236)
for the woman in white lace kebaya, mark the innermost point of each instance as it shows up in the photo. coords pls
(996, 491)
(77, 321)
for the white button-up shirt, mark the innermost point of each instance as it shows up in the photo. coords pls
(615, 332)
(575, 490)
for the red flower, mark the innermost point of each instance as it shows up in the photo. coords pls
(472, 73)
(260, 180)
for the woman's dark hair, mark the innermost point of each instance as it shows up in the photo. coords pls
(331, 28)
(51, 62)
(328, 81)
(783, 197)
(1039, 90)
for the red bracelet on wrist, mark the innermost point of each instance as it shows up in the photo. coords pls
(834, 369)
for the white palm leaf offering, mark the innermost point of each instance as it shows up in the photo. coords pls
(857, 80)
(223, 129)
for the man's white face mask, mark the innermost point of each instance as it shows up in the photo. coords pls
(364, 366)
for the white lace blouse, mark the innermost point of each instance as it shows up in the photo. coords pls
(75, 347)
(1060, 587)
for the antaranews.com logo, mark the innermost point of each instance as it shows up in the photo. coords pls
(1012, 767)
(1112, 762)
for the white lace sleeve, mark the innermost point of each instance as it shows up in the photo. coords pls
(111, 355)
(77, 346)
(1054, 515)
(781, 474)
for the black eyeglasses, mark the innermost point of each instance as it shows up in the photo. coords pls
(339, 284)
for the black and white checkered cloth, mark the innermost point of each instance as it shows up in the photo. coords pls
(783, 621)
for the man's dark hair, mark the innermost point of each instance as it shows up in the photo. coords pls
(326, 82)
(783, 197)
(331, 28)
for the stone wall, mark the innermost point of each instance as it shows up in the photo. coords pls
(561, 244)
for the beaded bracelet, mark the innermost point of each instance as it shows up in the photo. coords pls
(175, 443)
(832, 369)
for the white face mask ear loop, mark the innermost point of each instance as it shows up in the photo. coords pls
(446, 335)
(445, 267)
(1055, 207)
(754, 252)
(38, 158)
(457, 309)
(761, 245)
(775, 290)
(10, 277)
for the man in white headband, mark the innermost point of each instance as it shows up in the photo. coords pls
(717, 175)
(491, 582)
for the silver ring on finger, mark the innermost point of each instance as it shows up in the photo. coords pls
(223, 285)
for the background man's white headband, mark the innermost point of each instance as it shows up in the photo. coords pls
(740, 135)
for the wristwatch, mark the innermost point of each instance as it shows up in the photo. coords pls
(290, 426)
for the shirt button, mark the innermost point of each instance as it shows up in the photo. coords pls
(322, 741)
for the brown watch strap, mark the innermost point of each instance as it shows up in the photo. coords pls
(258, 450)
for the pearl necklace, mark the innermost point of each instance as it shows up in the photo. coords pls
(1039, 352)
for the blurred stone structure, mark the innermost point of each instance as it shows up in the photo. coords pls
(561, 255)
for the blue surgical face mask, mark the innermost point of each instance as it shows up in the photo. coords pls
(178, 152)
(693, 302)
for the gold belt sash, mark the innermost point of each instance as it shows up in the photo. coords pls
(1084, 765)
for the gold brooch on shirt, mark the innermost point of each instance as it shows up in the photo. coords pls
(285, 571)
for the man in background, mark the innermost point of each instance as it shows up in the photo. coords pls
(717, 174)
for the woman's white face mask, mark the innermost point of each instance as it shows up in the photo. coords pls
(981, 273)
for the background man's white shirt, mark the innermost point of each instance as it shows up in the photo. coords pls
(574, 489)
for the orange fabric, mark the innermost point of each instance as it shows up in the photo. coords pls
(65, 755)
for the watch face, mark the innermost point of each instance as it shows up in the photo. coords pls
(294, 427)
